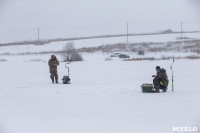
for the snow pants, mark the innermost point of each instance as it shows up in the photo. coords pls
(54, 74)
(160, 84)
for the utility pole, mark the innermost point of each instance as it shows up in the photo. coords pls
(181, 30)
(127, 32)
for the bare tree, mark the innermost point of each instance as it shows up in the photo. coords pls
(70, 53)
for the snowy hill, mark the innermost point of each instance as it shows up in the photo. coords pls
(56, 46)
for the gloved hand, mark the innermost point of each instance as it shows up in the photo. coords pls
(153, 75)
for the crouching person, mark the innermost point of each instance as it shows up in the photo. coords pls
(160, 80)
(53, 63)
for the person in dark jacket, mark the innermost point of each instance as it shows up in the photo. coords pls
(160, 80)
(53, 63)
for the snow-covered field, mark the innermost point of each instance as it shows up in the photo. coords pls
(103, 97)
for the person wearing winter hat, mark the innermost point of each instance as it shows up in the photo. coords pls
(160, 80)
(53, 63)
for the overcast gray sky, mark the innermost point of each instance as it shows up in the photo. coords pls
(19, 19)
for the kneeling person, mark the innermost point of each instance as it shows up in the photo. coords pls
(160, 80)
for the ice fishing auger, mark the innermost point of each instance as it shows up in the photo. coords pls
(66, 79)
(171, 67)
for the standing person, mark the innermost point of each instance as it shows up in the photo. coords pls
(53, 63)
(160, 80)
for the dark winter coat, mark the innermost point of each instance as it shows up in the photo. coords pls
(53, 63)
(162, 76)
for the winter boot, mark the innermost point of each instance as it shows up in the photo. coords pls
(56, 81)
(164, 89)
(157, 90)
(52, 80)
